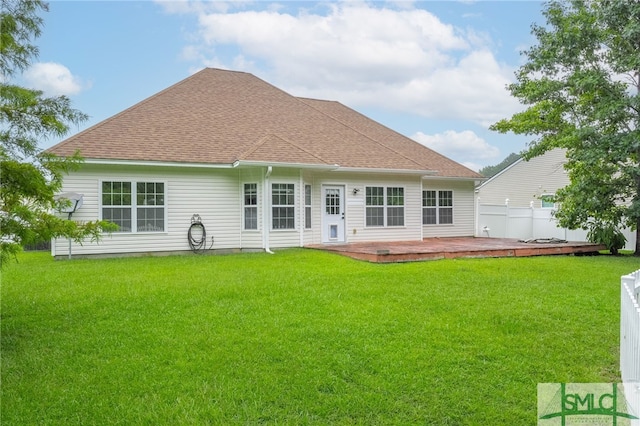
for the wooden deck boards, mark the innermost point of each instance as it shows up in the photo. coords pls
(449, 248)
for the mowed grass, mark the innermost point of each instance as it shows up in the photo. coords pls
(301, 337)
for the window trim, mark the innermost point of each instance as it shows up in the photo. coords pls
(386, 206)
(438, 207)
(542, 197)
(308, 223)
(255, 206)
(293, 205)
(134, 204)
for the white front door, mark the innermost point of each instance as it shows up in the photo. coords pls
(333, 214)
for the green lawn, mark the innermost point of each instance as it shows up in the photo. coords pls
(301, 337)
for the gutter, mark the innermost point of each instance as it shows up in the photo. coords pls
(474, 179)
(426, 173)
(156, 164)
(243, 163)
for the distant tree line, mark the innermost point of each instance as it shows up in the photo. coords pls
(489, 171)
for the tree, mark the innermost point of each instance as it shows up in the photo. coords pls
(31, 177)
(581, 86)
(489, 171)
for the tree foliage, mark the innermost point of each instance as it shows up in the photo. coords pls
(581, 87)
(489, 171)
(30, 177)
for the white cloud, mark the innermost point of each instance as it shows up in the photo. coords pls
(473, 166)
(387, 56)
(53, 79)
(196, 6)
(465, 147)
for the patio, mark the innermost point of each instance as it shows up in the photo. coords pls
(449, 248)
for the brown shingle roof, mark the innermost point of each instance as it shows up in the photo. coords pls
(219, 117)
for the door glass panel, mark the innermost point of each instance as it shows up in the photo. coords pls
(333, 232)
(332, 201)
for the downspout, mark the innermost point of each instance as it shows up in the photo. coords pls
(265, 211)
(300, 199)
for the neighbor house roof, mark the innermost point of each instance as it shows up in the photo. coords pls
(224, 117)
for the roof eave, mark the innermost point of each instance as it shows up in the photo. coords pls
(467, 178)
(427, 173)
(245, 163)
(113, 162)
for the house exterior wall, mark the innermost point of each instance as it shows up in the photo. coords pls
(217, 196)
(526, 181)
(210, 193)
(355, 212)
(463, 209)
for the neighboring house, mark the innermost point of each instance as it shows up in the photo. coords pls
(528, 212)
(526, 182)
(262, 169)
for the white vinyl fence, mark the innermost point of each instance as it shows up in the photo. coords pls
(630, 337)
(630, 327)
(504, 221)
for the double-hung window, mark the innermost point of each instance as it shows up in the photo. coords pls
(150, 206)
(437, 207)
(116, 204)
(134, 206)
(307, 206)
(283, 206)
(250, 206)
(384, 206)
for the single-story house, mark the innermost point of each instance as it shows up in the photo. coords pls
(259, 169)
(527, 183)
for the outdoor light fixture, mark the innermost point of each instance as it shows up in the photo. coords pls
(355, 191)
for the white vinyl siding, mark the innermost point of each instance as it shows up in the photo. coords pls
(355, 205)
(525, 182)
(211, 193)
(463, 210)
(217, 196)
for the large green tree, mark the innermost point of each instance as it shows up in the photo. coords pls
(581, 85)
(30, 178)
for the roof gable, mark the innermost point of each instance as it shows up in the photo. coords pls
(219, 117)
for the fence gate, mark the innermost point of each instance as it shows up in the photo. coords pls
(630, 336)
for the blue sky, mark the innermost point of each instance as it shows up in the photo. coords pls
(434, 71)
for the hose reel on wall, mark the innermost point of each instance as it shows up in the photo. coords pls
(197, 235)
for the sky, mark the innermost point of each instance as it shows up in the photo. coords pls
(434, 71)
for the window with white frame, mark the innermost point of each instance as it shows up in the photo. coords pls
(283, 206)
(150, 206)
(548, 201)
(127, 203)
(384, 206)
(307, 206)
(250, 206)
(437, 207)
(395, 206)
